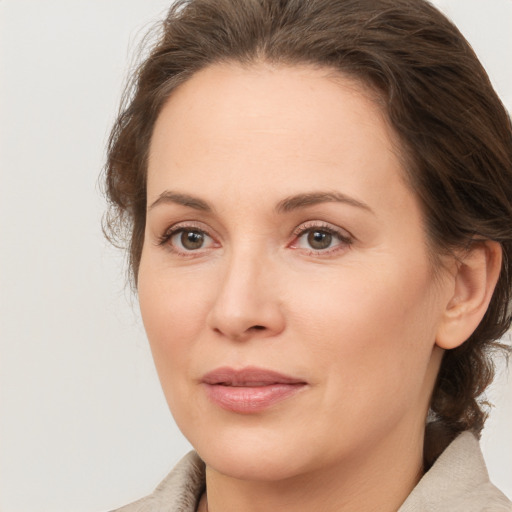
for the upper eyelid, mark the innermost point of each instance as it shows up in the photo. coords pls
(308, 225)
(188, 224)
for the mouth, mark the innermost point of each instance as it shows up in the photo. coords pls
(249, 390)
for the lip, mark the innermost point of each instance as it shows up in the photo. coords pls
(249, 390)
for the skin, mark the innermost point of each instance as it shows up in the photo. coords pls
(363, 321)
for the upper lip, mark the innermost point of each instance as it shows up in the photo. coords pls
(249, 376)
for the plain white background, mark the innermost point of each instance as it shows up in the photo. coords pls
(83, 423)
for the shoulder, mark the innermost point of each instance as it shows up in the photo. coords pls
(458, 482)
(178, 492)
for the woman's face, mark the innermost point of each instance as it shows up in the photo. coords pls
(285, 283)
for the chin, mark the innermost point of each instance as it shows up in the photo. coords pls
(246, 463)
(251, 454)
(267, 453)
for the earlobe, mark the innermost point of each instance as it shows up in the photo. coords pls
(474, 280)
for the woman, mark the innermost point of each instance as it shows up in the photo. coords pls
(318, 196)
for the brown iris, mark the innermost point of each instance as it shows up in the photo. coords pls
(319, 239)
(192, 240)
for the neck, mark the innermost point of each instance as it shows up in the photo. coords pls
(378, 480)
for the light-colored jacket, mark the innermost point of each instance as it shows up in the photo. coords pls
(457, 482)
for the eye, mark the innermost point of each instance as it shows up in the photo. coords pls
(189, 239)
(321, 239)
(186, 240)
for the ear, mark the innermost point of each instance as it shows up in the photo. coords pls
(475, 278)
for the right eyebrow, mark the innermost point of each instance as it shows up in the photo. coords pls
(170, 197)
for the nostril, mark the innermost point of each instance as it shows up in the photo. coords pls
(258, 327)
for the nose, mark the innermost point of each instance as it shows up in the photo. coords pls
(247, 303)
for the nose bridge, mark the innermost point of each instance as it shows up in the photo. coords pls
(244, 268)
(246, 301)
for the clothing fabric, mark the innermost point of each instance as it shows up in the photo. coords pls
(457, 482)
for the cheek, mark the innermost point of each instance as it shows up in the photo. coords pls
(173, 311)
(371, 332)
(364, 300)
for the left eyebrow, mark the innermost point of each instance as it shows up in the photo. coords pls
(313, 198)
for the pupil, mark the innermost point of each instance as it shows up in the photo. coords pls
(192, 239)
(319, 239)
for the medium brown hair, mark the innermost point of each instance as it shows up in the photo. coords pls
(455, 136)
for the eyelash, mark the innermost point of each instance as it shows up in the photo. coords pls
(343, 237)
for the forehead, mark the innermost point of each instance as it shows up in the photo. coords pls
(261, 129)
(269, 97)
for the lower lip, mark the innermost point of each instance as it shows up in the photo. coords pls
(247, 400)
